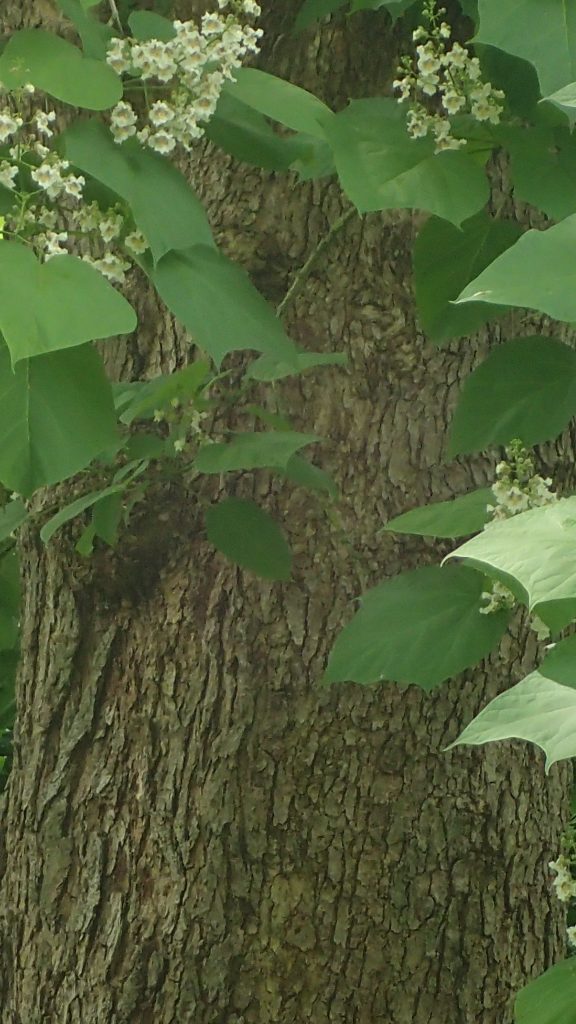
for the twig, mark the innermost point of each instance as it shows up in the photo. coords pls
(301, 275)
(115, 14)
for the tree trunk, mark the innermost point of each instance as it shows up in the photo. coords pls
(195, 829)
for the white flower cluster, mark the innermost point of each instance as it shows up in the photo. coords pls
(193, 66)
(48, 215)
(517, 488)
(451, 75)
(564, 883)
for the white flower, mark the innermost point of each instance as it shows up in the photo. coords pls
(179, 445)
(54, 244)
(7, 174)
(251, 8)
(48, 177)
(453, 101)
(73, 185)
(428, 84)
(111, 225)
(117, 55)
(419, 33)
(571, 935)
(110, 265)
(8, 125)
(122, 132)
(457, 57)
(445, 30)
(428, 60)
(43, 121)
(162, 142)
(123, 115)
(160, 113)
(212, 24)
(136, 242)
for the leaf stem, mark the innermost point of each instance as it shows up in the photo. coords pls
(304, 271)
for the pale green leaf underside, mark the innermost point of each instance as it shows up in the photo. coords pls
(538, 272)
(533, 554)
(537, 709)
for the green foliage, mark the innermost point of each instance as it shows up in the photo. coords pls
(381, 643)
(12, 515)
(60, 69)
(380, 167)
(216, 301)
(458, 517)
(532, 554)
(549, 999)
(146, 25)
(560, 663)
(288, 104)
(248, 536)
(252, 451)
(141, 177)
(536, 709)
(538, 272)
(525, 389)
(543, 162)
(446, 258)
(94, 35)
(56, 416)
(542, 32)
(45, 307)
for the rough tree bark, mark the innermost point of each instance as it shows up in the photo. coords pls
(194, 829)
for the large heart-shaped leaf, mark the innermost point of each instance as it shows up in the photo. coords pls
(252, 451)
(533, 554)
(60, 69)
(248, 536)
(536, 709)
(49, 306)
(455, 518)
(380, 167)
(542, 32)
(56, 415)
(445, 259)
(549, 999)
(219, 305)
(140, 177)
(421, 627)
(525, 389)
(538, 272)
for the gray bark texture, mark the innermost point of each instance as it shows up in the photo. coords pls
(195, 830)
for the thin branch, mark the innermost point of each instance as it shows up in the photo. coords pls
(115, 15)
(301, 275)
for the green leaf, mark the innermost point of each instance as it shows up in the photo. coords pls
(538, 272)
(106, 518)
(394, 7)
(160, 391)
(146, 25)
(536, 709)
(248, 136)
(517, 79)
(533, 554)
(455, 518)
(60, 69)
(549, 999)
(313, 10)
(525, 389)
(560, 663)
(94, 34)
(12, 515)
(305, 474)
(218, 304)
(542, 32)
(421, 627)
(75, 508)
(271, 368)
(248, 536)
(56, 415)
(45, 307)
(140, 176)
(445, 259)
(380, 167)
(280, 100)
(252, 451)
(543, 166)
(565, 99)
